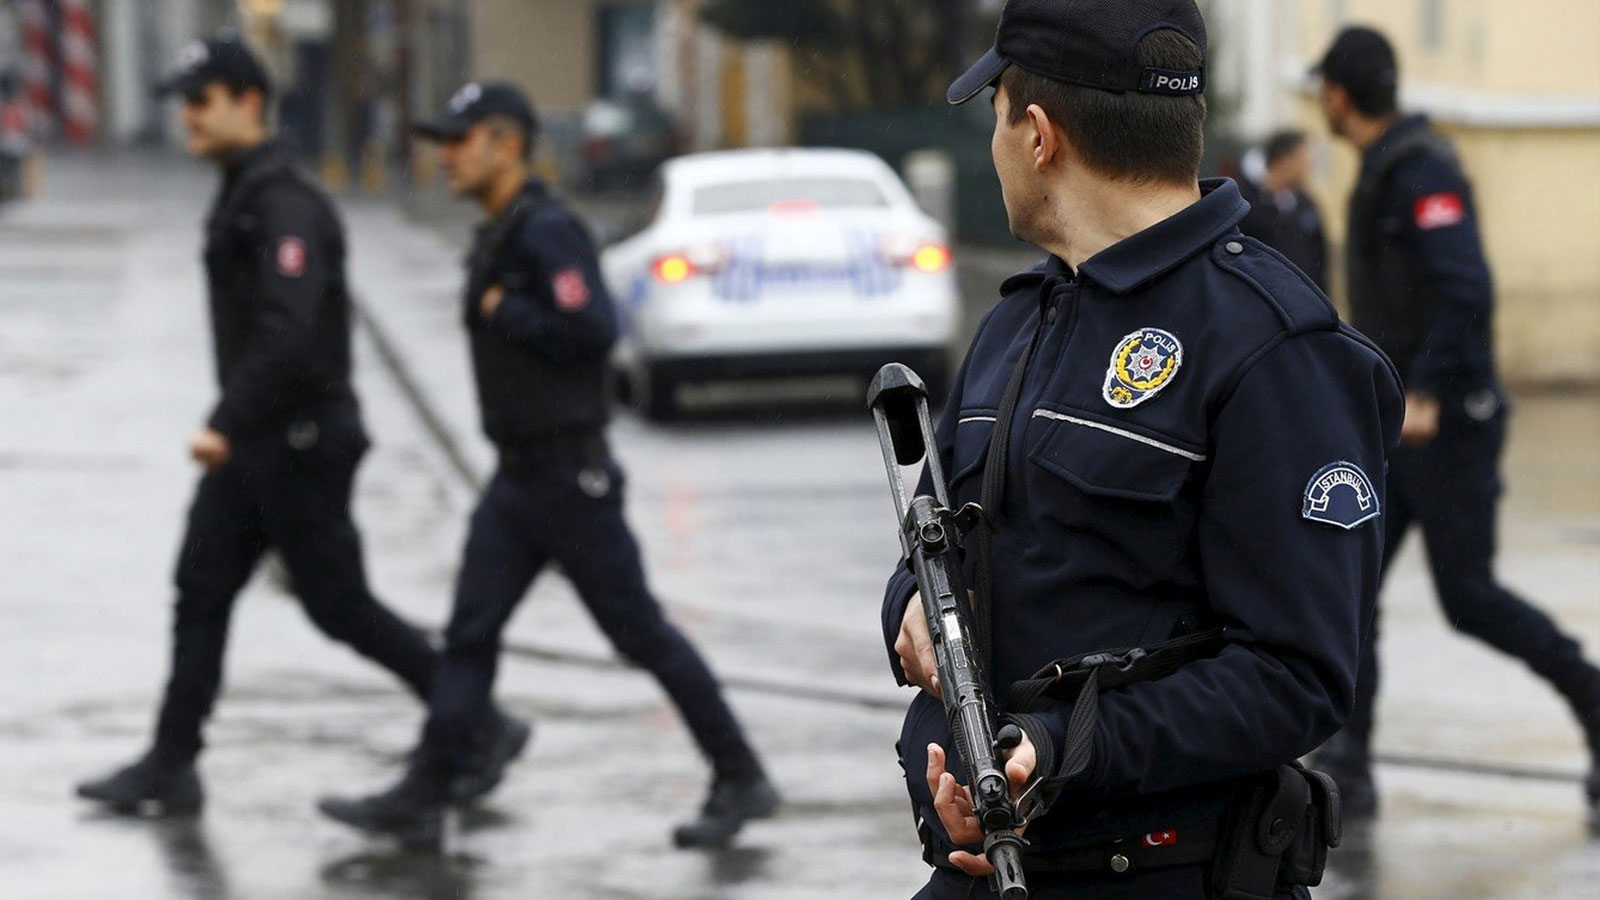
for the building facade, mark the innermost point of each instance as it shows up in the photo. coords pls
(1516, 84)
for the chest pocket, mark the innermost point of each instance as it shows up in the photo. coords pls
(230, 245)
(1119, 494)
(973, 430)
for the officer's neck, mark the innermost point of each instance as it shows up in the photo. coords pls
(503, 189)
(1364, 132)
(1090, 214)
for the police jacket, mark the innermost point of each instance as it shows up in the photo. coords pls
(540, 360)
(1198, 443)
(280, 310)
(1419, 285)
(1293, 228)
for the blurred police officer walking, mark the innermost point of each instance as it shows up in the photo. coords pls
(281, 447)
(1420, 287)
(540, 325)
(1282, 215)
(1174, 441)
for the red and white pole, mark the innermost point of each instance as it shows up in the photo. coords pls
(38, 59)
(80, 87)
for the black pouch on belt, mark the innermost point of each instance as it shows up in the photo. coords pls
(1275, 833)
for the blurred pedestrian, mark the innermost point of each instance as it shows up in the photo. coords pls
(1282, 215)
(1173, 440)
(540, 324)
(281, 446)
(1420, 287)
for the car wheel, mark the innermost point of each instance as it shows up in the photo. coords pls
(658, 396)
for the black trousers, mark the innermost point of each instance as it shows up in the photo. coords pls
(298, 502)
(1449, 489)
(571, 514)
(1176, 883)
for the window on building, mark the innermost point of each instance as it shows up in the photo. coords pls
(627, 50)
(1432, 30)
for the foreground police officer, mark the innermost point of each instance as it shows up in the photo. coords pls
(1420, 287)
(281, 447)
(1175, 442)
(540, 325)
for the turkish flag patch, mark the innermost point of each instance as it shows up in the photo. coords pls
(1168, 838)
(1440, 211)
(291, 257)
(570, 290)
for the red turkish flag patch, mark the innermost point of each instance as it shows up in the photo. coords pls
(291, 257)
(1168, 838)
(1440, 211)
(570, 290)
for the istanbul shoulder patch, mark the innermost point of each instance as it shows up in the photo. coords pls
(1340, 494)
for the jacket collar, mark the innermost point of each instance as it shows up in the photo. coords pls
(1402, 126)
(1137, 260)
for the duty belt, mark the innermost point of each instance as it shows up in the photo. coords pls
(580, 449)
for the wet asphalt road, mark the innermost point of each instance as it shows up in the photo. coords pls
(767, 532)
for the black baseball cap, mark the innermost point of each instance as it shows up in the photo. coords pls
(475, 102)
(1087, 42)
(222, 57)
(1360, 60)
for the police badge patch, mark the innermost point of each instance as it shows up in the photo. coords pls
(1340, 494)
(1143, 363)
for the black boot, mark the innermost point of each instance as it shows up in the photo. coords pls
(412, 811)
(506, 739)
(1589, 718)
(1349, 762)
(154, 784)
(734, 799)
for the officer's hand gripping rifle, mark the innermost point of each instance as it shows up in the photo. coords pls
(930, 537)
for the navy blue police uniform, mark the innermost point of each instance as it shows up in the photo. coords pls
(557, 496)
(280, 317)
(280, 314)
(1420, 287)
(1197, 442)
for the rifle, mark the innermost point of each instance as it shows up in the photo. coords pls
(930, 537)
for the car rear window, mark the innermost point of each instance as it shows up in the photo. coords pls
(823, 193)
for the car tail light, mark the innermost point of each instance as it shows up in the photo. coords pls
(931, 258)
(596, 149)
(924, 256)
(676, 268)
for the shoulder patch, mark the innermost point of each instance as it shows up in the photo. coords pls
(1340, 494)
(1439, 211)
(1143, 363)
(570, 290)
(291, 257)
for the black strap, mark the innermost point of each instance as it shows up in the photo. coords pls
(1082, 678)
(994, 489)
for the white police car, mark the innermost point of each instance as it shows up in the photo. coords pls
(772, 263)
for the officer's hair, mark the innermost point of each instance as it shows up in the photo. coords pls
(1282, 143)
(1131, 136)
(500, 126)
(1374, 97)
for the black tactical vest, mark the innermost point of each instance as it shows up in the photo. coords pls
(236, 247)
(528, 397)
(1392, 295)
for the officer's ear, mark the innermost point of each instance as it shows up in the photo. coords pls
(1046, 139)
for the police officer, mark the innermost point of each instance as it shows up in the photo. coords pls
(1420, 287)
(540, 325)
(1175, 442)
(281, 446)
(1282, 215)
